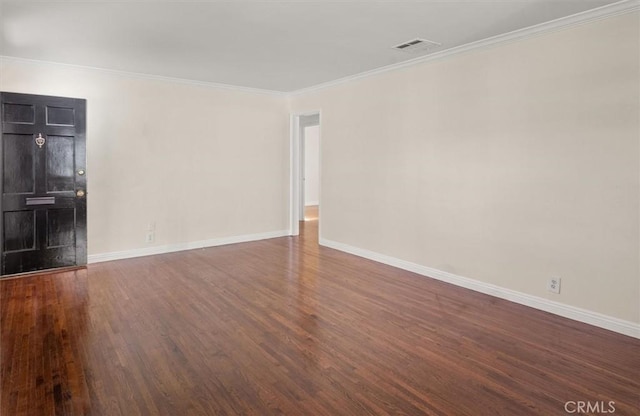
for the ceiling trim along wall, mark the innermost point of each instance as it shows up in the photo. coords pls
(149, 76)
(611, 10)
(615, 9)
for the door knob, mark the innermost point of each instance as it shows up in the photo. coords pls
(80, 193)
(81, 172)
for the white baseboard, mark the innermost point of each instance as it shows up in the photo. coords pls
(582, 315)
(170, 248)
(311, 203)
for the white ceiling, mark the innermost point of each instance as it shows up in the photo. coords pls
(273, 45)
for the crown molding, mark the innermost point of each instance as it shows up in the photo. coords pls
(148, 76)
(603, 12)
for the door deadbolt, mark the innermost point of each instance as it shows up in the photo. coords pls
(80, 193)
(81, 172)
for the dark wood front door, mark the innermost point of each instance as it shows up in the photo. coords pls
(43, 186)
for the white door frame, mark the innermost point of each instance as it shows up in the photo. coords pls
(296, 170)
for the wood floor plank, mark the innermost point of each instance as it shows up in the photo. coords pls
(285, 327)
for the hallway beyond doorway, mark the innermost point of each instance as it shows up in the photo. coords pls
(311, 213)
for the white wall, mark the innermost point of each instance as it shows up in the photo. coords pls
(507, 165)
(180, 155)
(312, 165)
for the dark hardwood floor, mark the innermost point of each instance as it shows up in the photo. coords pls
(283, 327)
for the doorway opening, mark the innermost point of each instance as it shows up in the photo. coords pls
(305, 169)
(311, 169)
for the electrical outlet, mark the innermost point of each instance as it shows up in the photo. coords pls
(553, 285)
(151, 233)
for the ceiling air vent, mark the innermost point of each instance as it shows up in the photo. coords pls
(417, 46)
